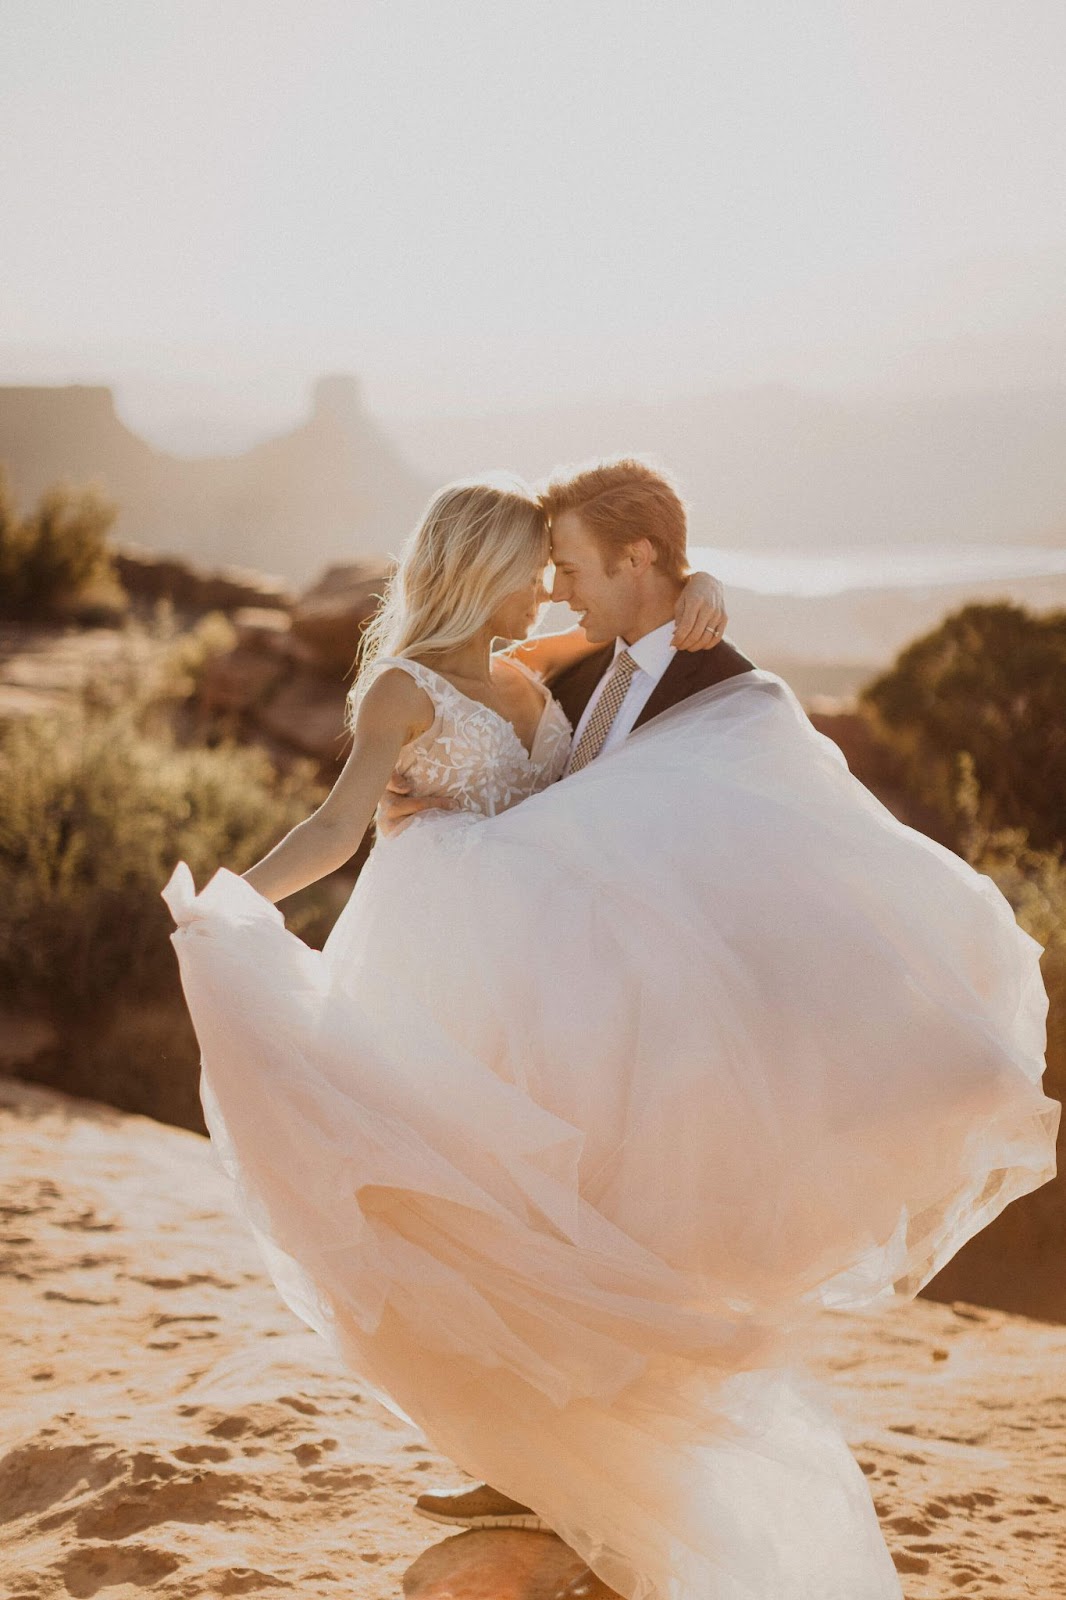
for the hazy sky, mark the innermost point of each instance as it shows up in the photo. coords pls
(482, 204)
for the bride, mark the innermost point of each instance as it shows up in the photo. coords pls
(604, 1093)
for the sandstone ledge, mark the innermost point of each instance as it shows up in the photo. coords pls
(170, 1427)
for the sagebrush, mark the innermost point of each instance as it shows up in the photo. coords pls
(56, 554)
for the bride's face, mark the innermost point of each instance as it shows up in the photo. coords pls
(518, 611)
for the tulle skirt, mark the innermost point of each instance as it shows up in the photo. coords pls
(588, 1115)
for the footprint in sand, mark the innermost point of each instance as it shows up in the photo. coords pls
(85, 1572)
(129, 1508)
(969, 1501)
(36, 1476)
(243, 1580)
(305, 1407)
(195, 1453)
(190, 1281)
(334, 1481)
(231, 1427)
(88, 1221)
(80, 1299)
(909, 1526)
(905, 1562)
(308, 1454)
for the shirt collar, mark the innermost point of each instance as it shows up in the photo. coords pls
(653, 652)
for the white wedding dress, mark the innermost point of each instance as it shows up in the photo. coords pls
(593, 1107)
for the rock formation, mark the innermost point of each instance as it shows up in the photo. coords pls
(334, 488)
(285, 681)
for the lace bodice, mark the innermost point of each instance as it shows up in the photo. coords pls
(471, 753)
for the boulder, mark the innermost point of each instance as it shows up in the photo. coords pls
(261, 627)
(307, 713)
(331, 615)
(238, 680)
(23, 1038)
(147, 576)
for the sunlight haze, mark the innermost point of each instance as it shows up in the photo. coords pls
(478, 206)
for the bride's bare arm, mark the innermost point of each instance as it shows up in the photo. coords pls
(393, 711)
(699, 623)
(700, 616)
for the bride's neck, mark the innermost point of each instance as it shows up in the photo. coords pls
(471, 660)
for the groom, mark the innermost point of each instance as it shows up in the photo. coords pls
(618, 533)
(619, 548)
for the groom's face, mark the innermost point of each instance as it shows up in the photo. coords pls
(603, 599)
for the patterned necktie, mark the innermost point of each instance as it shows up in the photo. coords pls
(604, 712)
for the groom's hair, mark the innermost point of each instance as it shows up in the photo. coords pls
(622, 500)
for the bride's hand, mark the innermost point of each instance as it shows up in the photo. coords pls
(700, 617)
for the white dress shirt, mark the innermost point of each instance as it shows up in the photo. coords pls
(652, 654)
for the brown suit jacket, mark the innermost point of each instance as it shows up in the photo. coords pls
(688, 672)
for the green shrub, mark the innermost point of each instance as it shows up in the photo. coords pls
(57, 553)
(1016, 1262)
(190, 650)
(95, 809)
(982, 695)
(972, 722)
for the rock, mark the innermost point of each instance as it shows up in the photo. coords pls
(26, 700)
(343, 579)
(24, 1038)
(147, 576)
(238, 680)
(307, 713)
(331, 486)
(102, 602)
(331, 615)
(260, 627)
(46, 667)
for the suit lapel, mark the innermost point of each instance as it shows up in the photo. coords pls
(688, 672)
(681, 678)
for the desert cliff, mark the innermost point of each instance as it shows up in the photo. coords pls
(333, 488)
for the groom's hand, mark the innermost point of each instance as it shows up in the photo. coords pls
(700, 617)
(398, 805)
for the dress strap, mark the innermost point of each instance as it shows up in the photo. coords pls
(425, 678)
(527, 672)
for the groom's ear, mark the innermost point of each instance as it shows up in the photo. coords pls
(640, 555)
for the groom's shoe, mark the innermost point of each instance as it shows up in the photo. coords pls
(481, 1507)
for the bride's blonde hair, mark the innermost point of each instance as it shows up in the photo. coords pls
(479, 539)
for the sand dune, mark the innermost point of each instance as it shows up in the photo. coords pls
(167, 1426)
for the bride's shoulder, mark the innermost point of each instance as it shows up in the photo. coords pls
(396, 690)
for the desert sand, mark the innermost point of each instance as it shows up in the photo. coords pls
(167, 1426)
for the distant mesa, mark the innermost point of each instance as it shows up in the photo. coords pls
(334, 488)
(338, 397)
